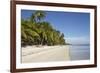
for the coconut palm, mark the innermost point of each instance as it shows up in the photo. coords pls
(38, 32)
(39, 15)
(32, 18)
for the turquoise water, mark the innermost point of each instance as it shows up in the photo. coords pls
(80, 52)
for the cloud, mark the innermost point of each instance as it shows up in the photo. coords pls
(78, 40)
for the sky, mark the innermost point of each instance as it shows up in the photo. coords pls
(74, 25)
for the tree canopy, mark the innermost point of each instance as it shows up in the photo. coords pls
(36, 31)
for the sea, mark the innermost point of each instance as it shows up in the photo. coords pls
(80, 52)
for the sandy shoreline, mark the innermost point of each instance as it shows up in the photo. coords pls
(45, 53)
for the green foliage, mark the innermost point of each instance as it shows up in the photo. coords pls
(36, 31)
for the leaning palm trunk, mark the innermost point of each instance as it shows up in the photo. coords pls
(41, 42)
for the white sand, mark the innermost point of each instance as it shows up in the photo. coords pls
(45, 53)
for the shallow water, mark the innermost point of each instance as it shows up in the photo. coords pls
(79, 52)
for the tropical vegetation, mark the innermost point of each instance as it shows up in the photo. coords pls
(37, 31)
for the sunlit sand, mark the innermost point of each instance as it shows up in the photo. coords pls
(45, 53)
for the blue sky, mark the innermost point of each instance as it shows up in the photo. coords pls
(74, 25)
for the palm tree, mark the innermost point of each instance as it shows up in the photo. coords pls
(28, 33)
(39, 15)
(32, 18)
(38, 32)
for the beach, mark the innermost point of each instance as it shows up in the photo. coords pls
(45, 53)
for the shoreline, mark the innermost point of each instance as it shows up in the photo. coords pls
(45, 53)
